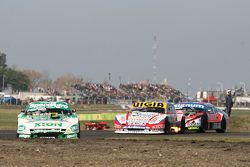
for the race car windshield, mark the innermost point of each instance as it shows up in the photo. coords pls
(150, 109)
(59, 111)
(50, 110)
(192, 110)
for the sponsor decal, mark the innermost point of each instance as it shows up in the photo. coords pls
(149, 104)
(42, 124)
(194, 124)
(189, 105)
(48, 105)
(136, 121)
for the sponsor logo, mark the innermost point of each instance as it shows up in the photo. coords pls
(194, 123)
(48, 105)
(42, 124)
(149, 104)
(190, 105)
(136, 121)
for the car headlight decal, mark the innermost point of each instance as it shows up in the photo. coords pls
(21, 128)
(74, 128)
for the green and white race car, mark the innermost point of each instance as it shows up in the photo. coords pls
(48, 120)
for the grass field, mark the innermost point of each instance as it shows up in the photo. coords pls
(239, 121)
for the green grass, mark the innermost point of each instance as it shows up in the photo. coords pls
(239, 121)
(8, 119)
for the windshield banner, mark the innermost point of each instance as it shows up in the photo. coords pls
(149, 104)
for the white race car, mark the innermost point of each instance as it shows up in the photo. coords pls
(150, 118)
(48, 120)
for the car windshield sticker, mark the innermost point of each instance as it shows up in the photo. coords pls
(149, 104)
(43, 105)
(189, 105)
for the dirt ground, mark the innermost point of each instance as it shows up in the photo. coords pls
(50, 152)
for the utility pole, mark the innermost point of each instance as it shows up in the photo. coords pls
(221, 86)
(109, 77)
(3, 84)
(188, 87)
(244, 88)
(155, 60)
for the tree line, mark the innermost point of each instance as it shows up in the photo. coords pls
(11, 77)
(33, 81)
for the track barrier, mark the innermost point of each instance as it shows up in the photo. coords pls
(98, 117)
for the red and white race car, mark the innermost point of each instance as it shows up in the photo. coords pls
(202, 116)
(150, 118)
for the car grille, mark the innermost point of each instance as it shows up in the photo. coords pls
(32, 131)
(137, 129)
(40, 133)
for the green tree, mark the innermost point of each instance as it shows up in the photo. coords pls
(3, 66)
(18, 80)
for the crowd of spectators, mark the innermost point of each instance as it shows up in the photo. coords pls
(151, 92)
(96, 92)
(102, 92)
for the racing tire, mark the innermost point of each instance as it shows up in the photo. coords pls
(167, 128)
(183, 126)
(79, 133)
(17, 136)
(223, 126)
(204, 124)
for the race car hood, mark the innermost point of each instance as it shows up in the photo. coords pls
(142, 118)
(28, 123)
(48, 124)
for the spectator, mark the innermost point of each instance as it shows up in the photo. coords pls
(229, 102)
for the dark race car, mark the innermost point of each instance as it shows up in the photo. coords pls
(202, 116)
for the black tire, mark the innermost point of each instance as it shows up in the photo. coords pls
(167, 129)
(204, 124)
(17, 136)
(79, 133)
(183, 126)
(223, 126)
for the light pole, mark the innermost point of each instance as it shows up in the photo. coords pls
(188, 86)
(244, 88)
(218, 97)
(221, 86)
(3, 84)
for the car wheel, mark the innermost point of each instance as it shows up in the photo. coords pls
(204, 124)
(79, 133)
(17, 135)
(167, 128)
(183, 125)
(223, 126)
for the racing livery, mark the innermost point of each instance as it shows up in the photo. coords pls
(48, 120)
(202, 116)
(150, 118)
